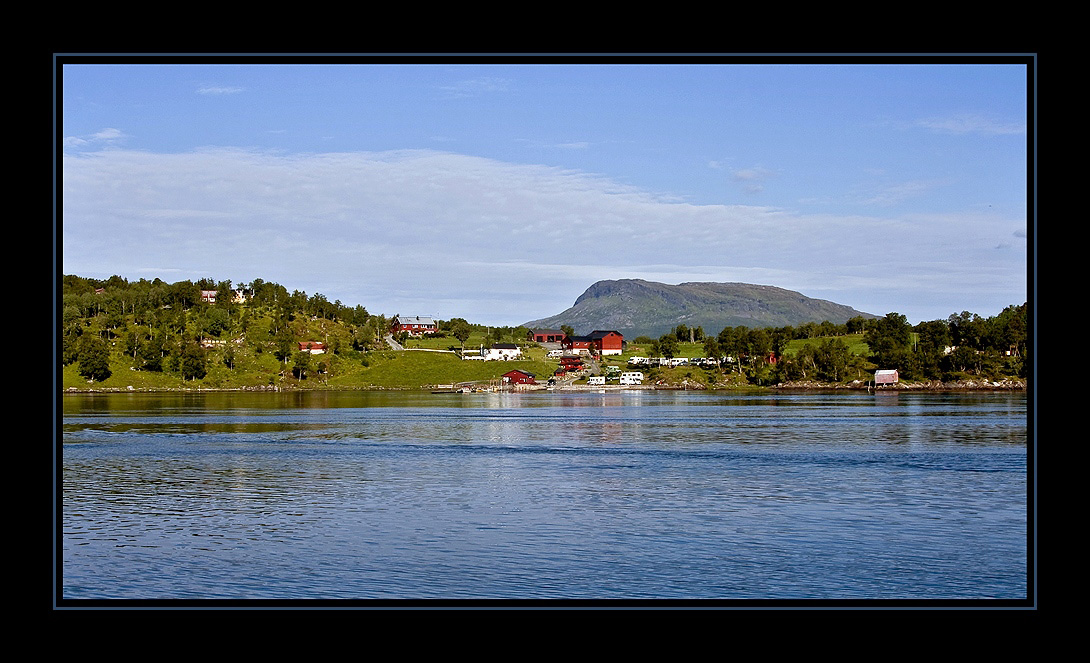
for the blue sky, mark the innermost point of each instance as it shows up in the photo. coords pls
(500, 192)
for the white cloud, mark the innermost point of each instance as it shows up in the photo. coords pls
(895, 194)
(474, 87)
(218, 90)
(753, 179)
(108, 136)
(458, 236)
(971, 123)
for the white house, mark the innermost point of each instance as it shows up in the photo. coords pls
(503, 351)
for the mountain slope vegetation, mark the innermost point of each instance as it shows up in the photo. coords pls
(636, 307)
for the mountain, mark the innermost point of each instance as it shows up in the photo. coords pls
(636, 307)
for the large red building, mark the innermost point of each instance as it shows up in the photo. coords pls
(598, 342)
(547, 335)
(415, 325)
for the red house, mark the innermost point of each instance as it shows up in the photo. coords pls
(601, 342)
(313, 347)
(518, 377)
(415, 325)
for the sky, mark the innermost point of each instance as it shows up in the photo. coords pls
(499, 191)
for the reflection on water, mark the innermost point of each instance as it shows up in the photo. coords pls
(548, 495)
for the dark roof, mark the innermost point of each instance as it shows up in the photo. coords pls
(504, 346)
(599, 333)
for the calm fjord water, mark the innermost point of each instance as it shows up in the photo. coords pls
(633, 495)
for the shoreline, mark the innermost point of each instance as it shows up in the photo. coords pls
(929, 386)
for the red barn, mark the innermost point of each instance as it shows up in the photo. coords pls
(547, 335)
(518, 377)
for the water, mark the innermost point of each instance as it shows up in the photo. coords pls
(635, 495)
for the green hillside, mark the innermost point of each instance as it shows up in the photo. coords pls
(151, 335)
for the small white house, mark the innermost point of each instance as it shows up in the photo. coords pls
(503, 351)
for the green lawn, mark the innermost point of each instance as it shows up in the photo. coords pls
(410, 370)
(854, 342)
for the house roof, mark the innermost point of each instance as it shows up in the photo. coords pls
(414, 320)
(504, 346)
(520, 371)
(599, 333)
(595, 335)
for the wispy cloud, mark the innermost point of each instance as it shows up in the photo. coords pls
(218, 90)
(753, 179)
(474, 87)
(969, 123)
(107, 136)
(897, 193)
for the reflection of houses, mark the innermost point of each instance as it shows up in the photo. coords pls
(503, 351)
(518, 377)
(597, 342)
(414, 325)
(313, 347)
(547, 335)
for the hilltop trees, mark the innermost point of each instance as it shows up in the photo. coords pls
(963, 346)
(168, 328)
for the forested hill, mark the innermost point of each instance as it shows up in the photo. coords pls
(636, 307)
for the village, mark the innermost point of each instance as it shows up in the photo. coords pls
(264, 339)
(578, 356)
(581, 358)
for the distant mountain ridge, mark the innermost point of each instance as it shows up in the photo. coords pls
(636, 307)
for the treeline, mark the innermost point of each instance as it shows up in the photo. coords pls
(170, 327)
(461, 329)
(964, 346)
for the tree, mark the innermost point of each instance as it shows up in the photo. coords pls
(301, 365)
(888, 339)
(192, 362)
(668, 345)
(832, 359)
(460, 329)
(94, 358)
(712, 349)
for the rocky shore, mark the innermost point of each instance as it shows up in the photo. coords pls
(930, 385)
